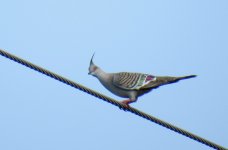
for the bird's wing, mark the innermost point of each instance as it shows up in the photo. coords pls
(132, 81)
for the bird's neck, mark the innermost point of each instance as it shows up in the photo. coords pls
(102, 75)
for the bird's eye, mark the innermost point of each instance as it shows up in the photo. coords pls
(94, 68)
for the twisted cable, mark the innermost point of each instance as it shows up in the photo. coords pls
(111, 101)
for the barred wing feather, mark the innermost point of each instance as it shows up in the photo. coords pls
(132, 81)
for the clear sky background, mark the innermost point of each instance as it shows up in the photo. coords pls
(156, 37)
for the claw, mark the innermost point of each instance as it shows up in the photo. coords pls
(126, 103)
(122, 108)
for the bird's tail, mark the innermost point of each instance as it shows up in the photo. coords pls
(185, 77)
(168, 80)
(163, 80)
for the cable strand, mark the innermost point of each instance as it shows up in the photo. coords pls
(110, 100)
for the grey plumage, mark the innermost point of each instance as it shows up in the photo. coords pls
(131, 85)
(127, 80)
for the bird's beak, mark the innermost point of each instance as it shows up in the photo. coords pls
(91, 73)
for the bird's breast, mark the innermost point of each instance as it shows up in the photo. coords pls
(115, 90)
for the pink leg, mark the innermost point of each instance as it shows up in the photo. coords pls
(126, 102)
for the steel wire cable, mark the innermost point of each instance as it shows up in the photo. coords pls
(112, 101)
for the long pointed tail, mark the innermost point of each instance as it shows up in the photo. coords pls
(168, 80)
(186, 77)
(163, 80)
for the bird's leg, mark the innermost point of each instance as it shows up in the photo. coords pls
(128, 101)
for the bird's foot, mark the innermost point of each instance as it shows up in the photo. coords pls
(126, 103)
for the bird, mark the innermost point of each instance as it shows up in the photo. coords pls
(131, 85)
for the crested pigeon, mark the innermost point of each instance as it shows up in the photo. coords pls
(130, 85)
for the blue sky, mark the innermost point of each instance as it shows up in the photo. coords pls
(157, 37)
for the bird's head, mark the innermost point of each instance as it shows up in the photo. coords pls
(92, 67)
